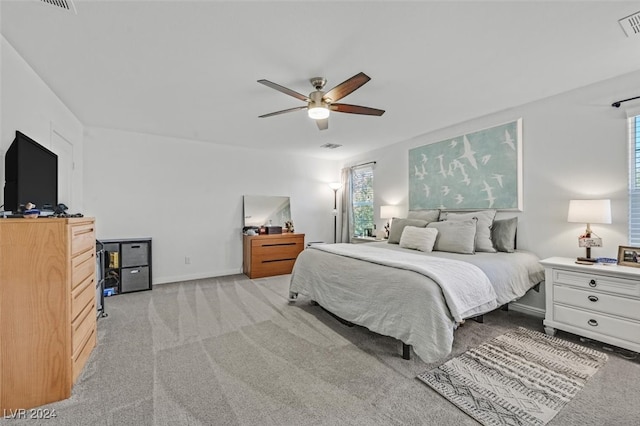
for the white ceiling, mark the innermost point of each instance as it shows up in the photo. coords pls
(189, 68)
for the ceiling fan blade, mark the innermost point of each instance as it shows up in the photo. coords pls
(283, 111)
(323, 123)
(346, 87)
(284, 90)
(355, 109)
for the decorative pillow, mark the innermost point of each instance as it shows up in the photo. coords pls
(456, 236)
(503, 234)
(483, 232)
(397, 226)
(416, 238)
(428, 215)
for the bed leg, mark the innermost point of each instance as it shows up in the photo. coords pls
(505, 307)
(406, 351)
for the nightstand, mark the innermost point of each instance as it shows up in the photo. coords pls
(600, 302)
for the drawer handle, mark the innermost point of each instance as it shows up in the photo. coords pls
(135, 271)
(135, 246)
(592, 323)
(593, 298)
(592, 283)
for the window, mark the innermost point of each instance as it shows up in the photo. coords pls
(362, 200)
(634, 181)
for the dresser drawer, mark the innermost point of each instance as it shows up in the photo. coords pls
(82, 266)
(82, 238)
(596, 301)
(82, 326)
(269, 269)
(81, 296)
(277, 252)
(80, 358)
(614, 285)
(598, 323)
(279, 241)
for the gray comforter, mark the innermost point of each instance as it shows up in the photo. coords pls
(402, 303)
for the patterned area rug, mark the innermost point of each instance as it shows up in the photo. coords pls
(520, 378)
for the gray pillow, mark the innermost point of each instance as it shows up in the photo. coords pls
(455, 236)
(428, 215)
(503, 234)
(397, 226)
(483, 232)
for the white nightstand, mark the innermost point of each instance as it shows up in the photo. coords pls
(595, 301)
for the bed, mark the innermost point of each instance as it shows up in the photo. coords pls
(410, 294)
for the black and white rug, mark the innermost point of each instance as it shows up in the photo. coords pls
(519, 378)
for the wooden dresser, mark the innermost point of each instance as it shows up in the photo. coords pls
(269, 255)
(47, 308)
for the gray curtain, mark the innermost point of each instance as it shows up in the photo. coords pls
(345, 211)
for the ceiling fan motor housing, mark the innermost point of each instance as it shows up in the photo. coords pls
(316, 100)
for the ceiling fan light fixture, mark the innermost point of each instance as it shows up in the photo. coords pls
(318, 112)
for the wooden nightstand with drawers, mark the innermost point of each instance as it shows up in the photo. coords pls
(601, 302)
(269, 255)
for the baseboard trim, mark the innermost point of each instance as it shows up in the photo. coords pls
(526, 309)
(200, 276)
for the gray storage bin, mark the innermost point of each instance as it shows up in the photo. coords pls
(134, 254)
(134, 279)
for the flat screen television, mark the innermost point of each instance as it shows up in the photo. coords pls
(31, 175)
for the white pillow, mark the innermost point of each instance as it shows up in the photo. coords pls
(416, 238)
(455, 236)
(483, 227)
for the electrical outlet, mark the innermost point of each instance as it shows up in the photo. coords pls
(187, 260)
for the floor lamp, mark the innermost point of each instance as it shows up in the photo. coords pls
(335, 186)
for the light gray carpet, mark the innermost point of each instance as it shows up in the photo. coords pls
(232, 351)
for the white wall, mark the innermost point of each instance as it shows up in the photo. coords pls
(575, 145)
(187, 196)
(27, 104)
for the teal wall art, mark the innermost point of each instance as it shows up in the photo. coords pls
(479, 170)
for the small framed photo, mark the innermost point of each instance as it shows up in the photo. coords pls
(629, 256)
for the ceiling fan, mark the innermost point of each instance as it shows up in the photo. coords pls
(320, 103)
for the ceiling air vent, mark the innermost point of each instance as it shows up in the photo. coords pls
(631, 24)
(64, 4)
(330, 145)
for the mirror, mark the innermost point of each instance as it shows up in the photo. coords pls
(259, 210)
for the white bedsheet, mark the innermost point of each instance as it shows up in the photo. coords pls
(465, 287)
(399, 302)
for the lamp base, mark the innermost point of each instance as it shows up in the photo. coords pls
(586, 259)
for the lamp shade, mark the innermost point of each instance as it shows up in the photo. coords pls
(389, 212)
(335, 185)
(589, 211)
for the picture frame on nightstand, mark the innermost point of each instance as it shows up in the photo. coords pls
(629, 256)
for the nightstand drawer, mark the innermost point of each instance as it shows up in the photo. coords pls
(600, 302)
(605, 283)
(597, 323)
